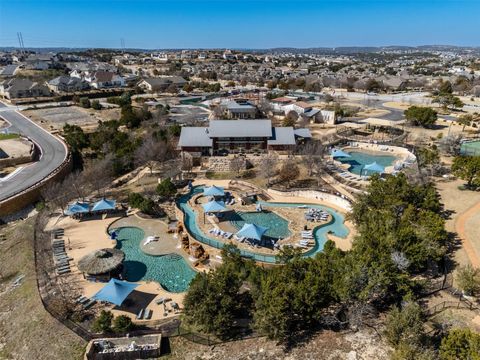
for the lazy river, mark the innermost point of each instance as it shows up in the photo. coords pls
(336, 226)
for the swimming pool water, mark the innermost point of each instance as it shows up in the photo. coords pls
(277, 225)
(471, 148)
(335, 226)
(359, 159)
(171, 271)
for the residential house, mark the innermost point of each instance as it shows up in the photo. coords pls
(104, 79)
(160, 84)
(22, 88)
(67, 84)
(239, 109)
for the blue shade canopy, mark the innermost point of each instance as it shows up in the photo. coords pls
(115, 291)
(213, 191)
(252, 231)
(375, 167)
(340, 153)
(77, 207)
(214, 206)
(104, 204)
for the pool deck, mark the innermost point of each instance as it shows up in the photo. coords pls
(83, 237)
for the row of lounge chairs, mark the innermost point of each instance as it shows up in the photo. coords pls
(316, 215)
(221, 233)
(144, 314)
(85, 302)
(307, 238)
(60, 257)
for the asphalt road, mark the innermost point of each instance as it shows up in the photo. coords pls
(53, 153)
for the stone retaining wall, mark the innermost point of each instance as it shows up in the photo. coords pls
(224, 164)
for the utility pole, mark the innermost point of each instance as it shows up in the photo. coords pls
(122, 44)
(20, 42)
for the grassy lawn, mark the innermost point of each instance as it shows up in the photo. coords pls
(27, 331)
(9, 136)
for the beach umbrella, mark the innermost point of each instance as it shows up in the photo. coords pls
(340, 153)
(213, 191)
(252, 231)
(115, 291)
(101, 261)
(374, 167)
(214, 206)
(104, 204)
(77, 207)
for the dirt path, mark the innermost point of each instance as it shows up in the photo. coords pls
(462, 233)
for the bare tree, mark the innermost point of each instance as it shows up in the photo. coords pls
(312, 152)
(150, 152)
(268, 166)
(237, 164)
(289, 171)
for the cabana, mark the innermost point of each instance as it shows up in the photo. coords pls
(213, 207)
(374, 167)
(77, 208)
(104, 205)
(214, 191)
(102, 264)
(115, 292)
(252, 231)
(339, 153)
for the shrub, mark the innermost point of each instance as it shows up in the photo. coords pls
(460, 344)
(166, 188)
(468, 279)
(96, 105)
(84, 102)
(103, 322)
(122, 324)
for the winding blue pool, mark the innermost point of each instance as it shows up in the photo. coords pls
(336, 226)
(359, 159)
(171, 270)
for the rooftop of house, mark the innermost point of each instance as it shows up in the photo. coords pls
(194, 137)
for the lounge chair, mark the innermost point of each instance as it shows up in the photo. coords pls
(63, 272)
(81, 299)
(140, 314)
(227, 235)
(89, 304)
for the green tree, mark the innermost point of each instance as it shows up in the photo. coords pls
(84, 102)
(460, 344)
(103, 322)
(166, 188)
(467, 168)
(405, 325)
(122, 324)
(96, 105)
(421, 116)
(75, 137)
(465, 120)
(468, 279)
(445, 88)
(175, 130)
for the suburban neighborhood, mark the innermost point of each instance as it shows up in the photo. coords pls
(238, 202)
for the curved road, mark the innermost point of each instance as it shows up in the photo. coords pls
(53, 153)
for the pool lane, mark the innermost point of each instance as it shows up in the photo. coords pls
(336, 226)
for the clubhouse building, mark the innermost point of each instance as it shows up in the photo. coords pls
(222, 137)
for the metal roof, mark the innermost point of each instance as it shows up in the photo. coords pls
(304, 133)
(240, 128)
(194, 137)
(282, 136)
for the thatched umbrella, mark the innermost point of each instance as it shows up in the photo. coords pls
(101, 261)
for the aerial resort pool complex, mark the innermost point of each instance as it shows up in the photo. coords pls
(135, 264)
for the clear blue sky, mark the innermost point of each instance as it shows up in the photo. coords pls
(239, 24)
